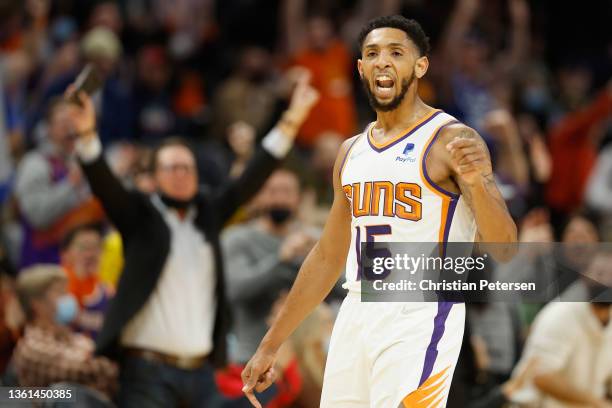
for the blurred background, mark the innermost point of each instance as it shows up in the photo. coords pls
(532, 77)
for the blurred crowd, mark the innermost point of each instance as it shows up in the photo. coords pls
(219, 74)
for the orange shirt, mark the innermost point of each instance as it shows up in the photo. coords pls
(81, 288)
(332, 76)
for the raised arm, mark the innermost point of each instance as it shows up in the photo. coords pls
(316, 277)
(274, 147)
(292, 13)
(520, 42)
(470, 167)
(457, 28)
(120, 205)
(511, 160)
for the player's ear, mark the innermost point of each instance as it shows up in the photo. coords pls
(420, 66)
(360, 68)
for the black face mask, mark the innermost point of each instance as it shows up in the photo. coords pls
(174, 203)
(279, 215)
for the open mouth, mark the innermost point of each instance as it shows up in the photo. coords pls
(384, 85)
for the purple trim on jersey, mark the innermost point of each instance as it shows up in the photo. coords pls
(358, 252)
(432, 350)
(403, 137)
(345, 157)
(452, 206)
(424, 163)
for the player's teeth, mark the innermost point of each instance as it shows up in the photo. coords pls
(384, 83)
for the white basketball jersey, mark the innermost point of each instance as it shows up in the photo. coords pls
(392, 197)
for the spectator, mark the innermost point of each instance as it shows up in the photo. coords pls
(6, 160)
(100, 47)
(65, 58)
(580, 235)
(13, 319)
(155, 118)
(81, 250)
(595, 283)
(511, 165)
(241, 138)
(311, 43)
(248, 95)
(553, 268)
(169, 314)
(122, 158)
(575, 139)
(572, 342)
(106, 14)
(265, 258)
(540, 162)
(17, 69)
(51, 193)
(476, 83)
(575, 81)
(49, 352)
(474, 72)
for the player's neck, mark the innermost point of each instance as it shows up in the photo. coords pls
(408, 112)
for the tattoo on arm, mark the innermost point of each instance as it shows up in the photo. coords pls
(466, 193)
(468, 133)
(493, 191)
(490, 187)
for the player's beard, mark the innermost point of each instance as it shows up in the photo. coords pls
(395, 102)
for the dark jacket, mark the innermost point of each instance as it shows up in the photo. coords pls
(146, 243)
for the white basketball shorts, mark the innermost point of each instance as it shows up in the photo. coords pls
(392, 355)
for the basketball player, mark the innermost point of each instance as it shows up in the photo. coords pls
(416, 175)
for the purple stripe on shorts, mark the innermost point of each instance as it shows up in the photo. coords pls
(358, 252)
(432, 350)
(452, 206)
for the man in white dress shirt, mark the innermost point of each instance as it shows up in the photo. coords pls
(167, 324)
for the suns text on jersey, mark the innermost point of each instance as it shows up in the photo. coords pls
(398, 199)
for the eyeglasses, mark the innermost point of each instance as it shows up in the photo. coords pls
(174, 168)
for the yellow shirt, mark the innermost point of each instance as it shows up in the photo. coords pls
(111, 262)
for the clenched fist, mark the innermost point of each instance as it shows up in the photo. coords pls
(470, 159)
